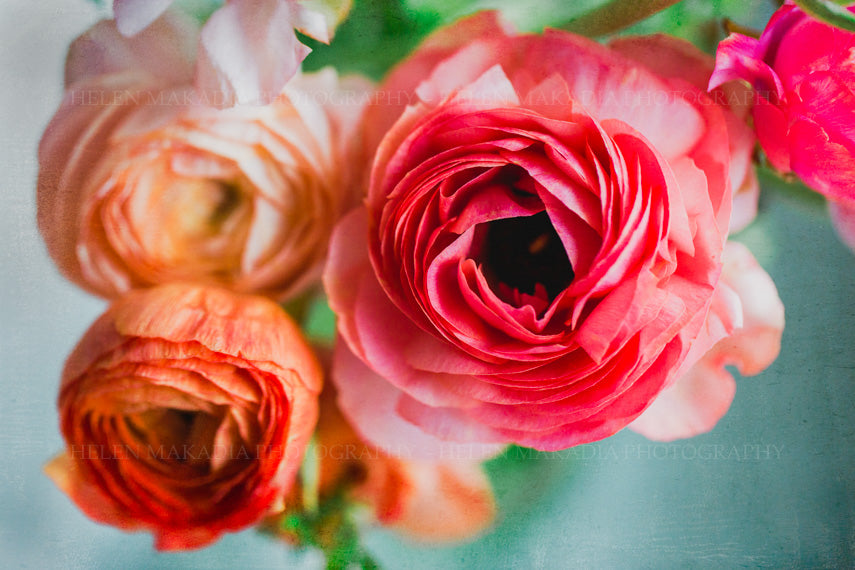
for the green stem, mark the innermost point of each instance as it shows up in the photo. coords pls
(310, 474)
(299, 307)
(834, 13)
(615, 15)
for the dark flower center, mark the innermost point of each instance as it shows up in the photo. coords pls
(176, 436)
(522, 252)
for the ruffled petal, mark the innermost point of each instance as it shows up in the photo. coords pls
(702, 395)
(165, 51)
(248, 52)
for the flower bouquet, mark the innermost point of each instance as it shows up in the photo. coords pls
(397, 264)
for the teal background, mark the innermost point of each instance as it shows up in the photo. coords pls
(772, 485)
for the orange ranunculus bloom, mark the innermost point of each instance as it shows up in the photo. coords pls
(186, 411)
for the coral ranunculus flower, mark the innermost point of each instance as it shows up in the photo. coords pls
(186, 411)
(143, 182)
(541, 241)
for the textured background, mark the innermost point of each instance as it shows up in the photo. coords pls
(772, 485)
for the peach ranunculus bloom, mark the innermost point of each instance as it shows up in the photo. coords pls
(143, 182)
(539, 253)
(186, 411)
(247, 49)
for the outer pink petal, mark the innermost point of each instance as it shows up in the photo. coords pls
(701, 396)
(370, 404)
(248, 52)
(843, 219)
(370, 401)
(132, 16)
(668, 56)
(400, 85)
(680, 60)
(165, 50)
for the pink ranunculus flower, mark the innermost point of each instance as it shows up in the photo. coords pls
(142, 182)
(541, 242)
(186, 411)
(248, 50)
(801, 71)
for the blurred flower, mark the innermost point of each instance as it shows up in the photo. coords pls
(142, 182)
(747, 303)
(843, 219)
(801, 71)
(186, 411)
(426, 500)
(541, 240)
(248, 49)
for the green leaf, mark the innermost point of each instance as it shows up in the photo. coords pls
(548, 13)
(615, 15)
(310, 474)
(319, 321)
(201, 10)
(375, 36)
(331, 525)
(834, 13)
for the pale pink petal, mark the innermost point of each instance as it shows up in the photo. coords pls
(370, 403)
(319, 18)
(745, 201)
(843, 219)
(312, 24)
(132, 16)
(668, 56)
(702, 395)
(619, 89)
(165, 50)
(248, 52)
(680, 60)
